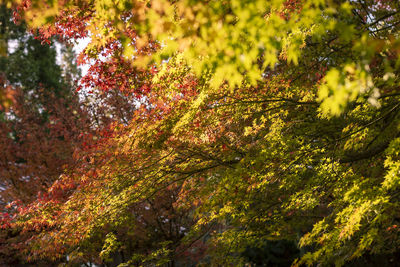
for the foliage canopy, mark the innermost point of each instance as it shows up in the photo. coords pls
(247, 122)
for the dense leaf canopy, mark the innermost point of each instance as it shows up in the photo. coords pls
(233, 126)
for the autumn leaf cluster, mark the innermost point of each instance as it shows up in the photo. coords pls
(220, 128)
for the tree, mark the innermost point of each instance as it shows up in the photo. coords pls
(35, 136)
(39, 128)
(263, 120)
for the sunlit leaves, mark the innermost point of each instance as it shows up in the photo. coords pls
(344, 86)
(253, 121)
